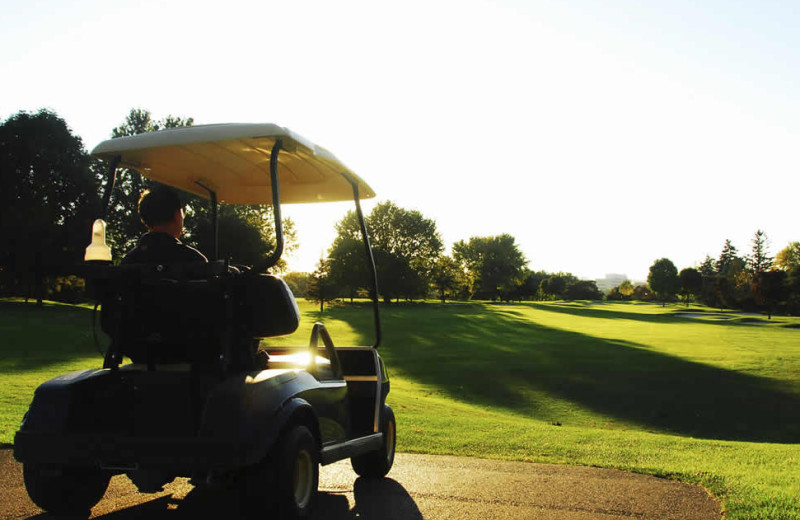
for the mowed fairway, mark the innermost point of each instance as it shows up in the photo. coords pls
(710, 400)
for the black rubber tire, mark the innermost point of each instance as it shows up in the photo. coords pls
(65, 491)
(376, 464)
(296, 467)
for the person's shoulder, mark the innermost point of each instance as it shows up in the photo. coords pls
(192, 254)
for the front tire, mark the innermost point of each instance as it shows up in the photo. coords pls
(376, 464)
(295, 467)
(65, 490)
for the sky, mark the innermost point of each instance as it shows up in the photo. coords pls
(601, 135)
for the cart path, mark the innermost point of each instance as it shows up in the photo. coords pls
(419, 486)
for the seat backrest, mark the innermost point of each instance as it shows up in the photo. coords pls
(165, 314)
(265, 306)
(155, 318)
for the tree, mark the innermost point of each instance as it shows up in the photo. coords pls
(555, 286)
(528, 286)
(642, 293)
(298, 283)
(583, 290)
(759, 260)
(405, 245)
(722, 291)
(740, 284)
(691, 283)
(793, 290)
(788, 258)
(493, 263)
(771, 289)
(613, 294)
(707, 267)
(726, 258)
(446, 276)
(246, 232)
(348, 264)
(48, 198)
(626, 289)
(319, 288)
(663, 279)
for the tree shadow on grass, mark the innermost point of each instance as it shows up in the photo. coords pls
(33, 338)
(493, 359)
(670, 317)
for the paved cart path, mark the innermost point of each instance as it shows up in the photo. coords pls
(419, 486)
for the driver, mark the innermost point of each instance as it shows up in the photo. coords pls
(161, 211)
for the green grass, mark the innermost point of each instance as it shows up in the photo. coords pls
(712, 400)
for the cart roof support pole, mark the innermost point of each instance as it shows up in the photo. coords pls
(111, 179)
(370, 263)
(212, 195)
(272, 259)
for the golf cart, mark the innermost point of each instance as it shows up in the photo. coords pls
(187, 387)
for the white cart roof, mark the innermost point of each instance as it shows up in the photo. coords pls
(233, 160)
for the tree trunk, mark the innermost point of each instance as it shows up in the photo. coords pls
(38, 279)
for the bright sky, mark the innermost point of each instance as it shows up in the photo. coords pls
(602, 135)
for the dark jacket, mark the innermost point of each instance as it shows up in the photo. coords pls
(158, 247)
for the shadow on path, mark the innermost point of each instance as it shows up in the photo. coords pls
(383, 499)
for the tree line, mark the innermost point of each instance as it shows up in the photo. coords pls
(411, 265)
(752, 282)
(50, 192)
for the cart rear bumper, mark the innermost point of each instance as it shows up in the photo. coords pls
(181, 455)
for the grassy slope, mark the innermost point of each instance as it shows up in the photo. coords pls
(709, 401)
(628, 386)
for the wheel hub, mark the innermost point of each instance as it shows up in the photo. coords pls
(302, 477)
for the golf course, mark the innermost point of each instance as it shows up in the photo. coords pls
(695, 394)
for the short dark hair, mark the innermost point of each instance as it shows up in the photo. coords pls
(158, 205)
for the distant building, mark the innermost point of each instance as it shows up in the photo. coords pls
(610, 281)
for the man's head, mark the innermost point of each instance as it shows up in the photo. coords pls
(160, 209)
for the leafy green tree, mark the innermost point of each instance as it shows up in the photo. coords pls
(583, 290)
(298, 283)
(788, 258)
(405, 245)
(759, 260)
(793, 290)
(493, 263)
(246, 232)
(741, 281)
(528, 286)
(663, 279)
(613, 294)
(446, 276)
(554, 287)
(723, 291)
(642, 293)
(48, 198)
(771, 289)
(348, 262)
(320, 288)
(626, 289)
(691, 283)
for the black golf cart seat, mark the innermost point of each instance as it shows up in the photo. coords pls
(193, 313)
